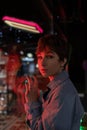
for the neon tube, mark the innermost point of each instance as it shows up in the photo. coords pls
(22, 24)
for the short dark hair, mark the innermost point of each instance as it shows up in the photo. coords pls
(55, 43)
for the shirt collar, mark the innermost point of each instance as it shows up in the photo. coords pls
(58, 79)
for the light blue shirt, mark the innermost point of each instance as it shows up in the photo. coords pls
(62, 109)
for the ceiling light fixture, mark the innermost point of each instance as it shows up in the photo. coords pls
(22, 24)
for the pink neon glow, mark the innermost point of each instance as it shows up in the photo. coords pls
(24, 22)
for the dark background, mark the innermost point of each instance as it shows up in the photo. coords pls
(67, 18)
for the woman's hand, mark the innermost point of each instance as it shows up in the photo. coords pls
(32, 91)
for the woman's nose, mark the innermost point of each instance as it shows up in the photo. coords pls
(43, 61)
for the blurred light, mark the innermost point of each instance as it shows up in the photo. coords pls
(22, 24)
(21, 52)
(27, 59)
(5, 53)
(83, 128)
(18, 40)
(1, 34)
(30, 55)
(10, 28)
(36, 65)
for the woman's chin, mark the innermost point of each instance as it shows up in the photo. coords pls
(44, 75)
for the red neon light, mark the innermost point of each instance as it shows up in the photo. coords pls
(23, 22)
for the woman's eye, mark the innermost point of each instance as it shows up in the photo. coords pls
(49, 56)
(39, 57)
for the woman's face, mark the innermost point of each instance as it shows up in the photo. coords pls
(49, 63)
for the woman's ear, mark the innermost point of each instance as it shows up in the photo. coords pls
(64, 62)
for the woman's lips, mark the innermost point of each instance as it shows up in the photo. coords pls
(44, 70)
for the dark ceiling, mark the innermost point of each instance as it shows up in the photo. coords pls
(45, 12)
(65, 17)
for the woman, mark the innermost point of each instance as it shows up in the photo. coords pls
(61, 108)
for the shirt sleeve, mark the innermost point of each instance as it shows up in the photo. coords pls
(33, 114)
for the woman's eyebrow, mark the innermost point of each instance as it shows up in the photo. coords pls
(50, 52)
(47, 52)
